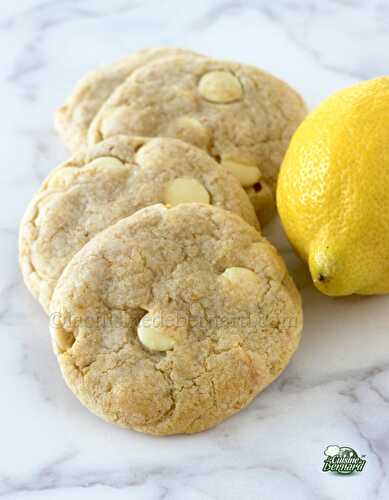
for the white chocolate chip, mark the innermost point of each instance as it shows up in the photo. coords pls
(247, 175)
(185, 190)
(63, 177)
(113, 123)
(104, 162)
(190, 130)
(242, 277)
(155, 336)
(63, 339)
(220, 86)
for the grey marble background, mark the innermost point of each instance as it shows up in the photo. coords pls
(335, 391)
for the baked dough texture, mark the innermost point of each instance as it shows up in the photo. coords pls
(106, 183)
(242, 116)
(230, 337)
(72, 119)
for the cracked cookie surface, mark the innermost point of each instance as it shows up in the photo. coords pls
(72, 119)
(240, 115)
(210, 284)
(106, 183)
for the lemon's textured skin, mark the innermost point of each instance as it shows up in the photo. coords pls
(333, 190)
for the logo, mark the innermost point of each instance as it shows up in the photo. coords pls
(343, 460)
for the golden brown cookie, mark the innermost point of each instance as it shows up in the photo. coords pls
(173, 319)
(240, 115)
(72, 120)
(112, 180)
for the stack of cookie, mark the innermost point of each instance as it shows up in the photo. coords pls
(168, 309)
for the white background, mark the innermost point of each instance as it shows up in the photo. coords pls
(335, 391)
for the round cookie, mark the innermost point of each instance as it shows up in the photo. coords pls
(72, 120)
(174, 319)
(112, 180)
(239, 114)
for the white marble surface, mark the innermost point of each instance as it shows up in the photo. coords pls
(335, 391)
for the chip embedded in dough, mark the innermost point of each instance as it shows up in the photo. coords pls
(112, 180)
(162, 334)
(239, 114)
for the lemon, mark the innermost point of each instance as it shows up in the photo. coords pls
(333, 190)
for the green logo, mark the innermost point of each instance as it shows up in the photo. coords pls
(343, 460)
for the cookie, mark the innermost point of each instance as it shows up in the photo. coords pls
(174, 319)
(112, 180)
(240, 115)
(72, 120)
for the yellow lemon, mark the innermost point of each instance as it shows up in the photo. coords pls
(333, 190)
